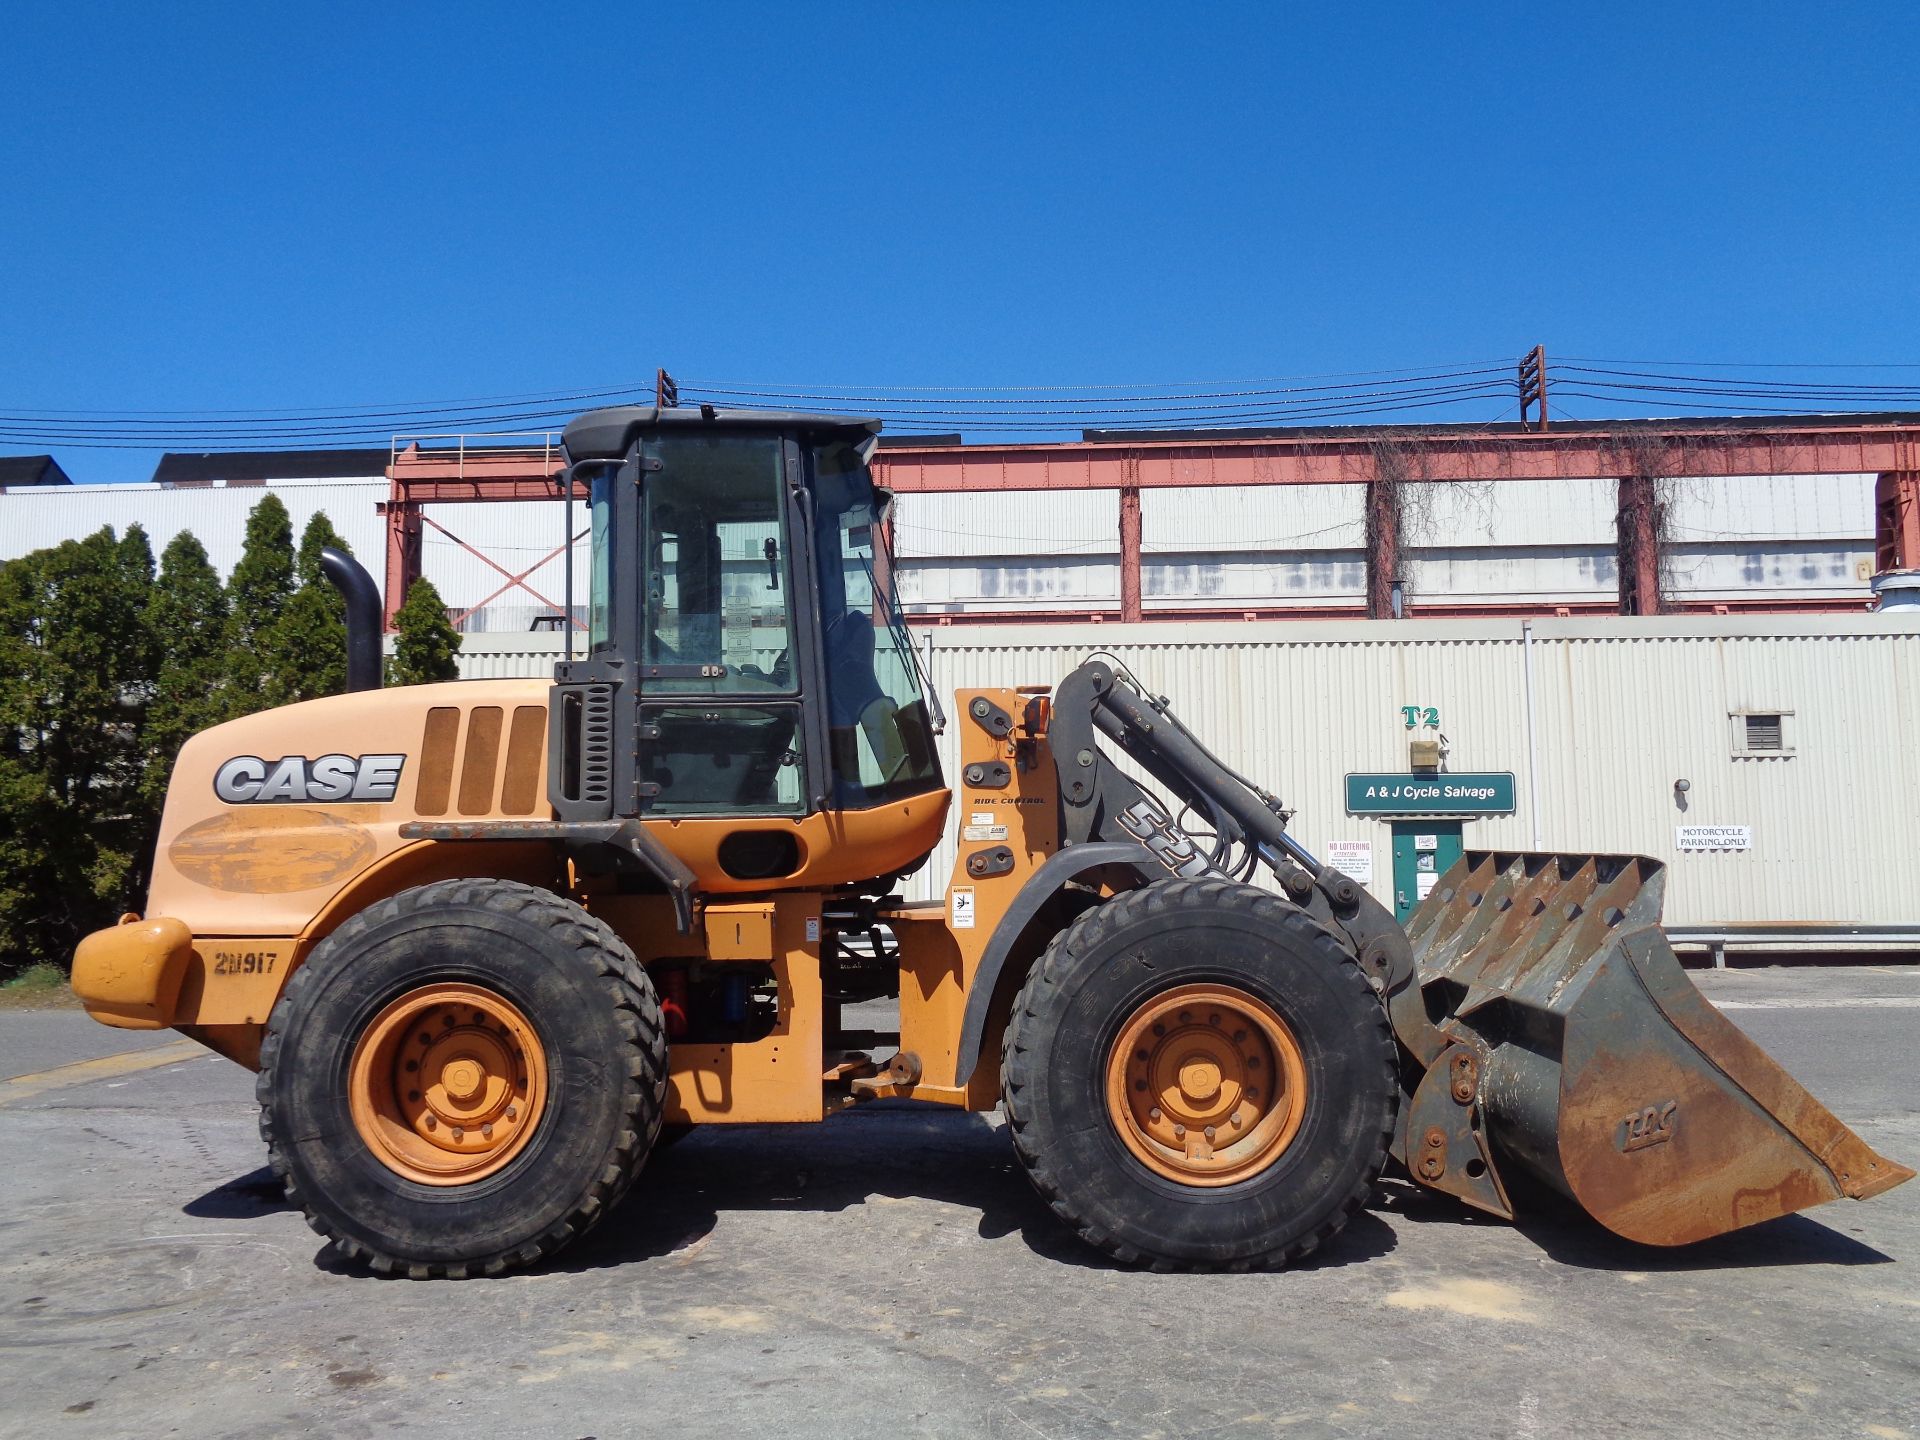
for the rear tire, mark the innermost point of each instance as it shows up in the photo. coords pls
(1207, 1001)
(463, 989)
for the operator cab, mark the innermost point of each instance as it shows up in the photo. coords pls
(745, 653)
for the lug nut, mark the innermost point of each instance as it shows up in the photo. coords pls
(1237, 1120)
(512, 1113)
(1213, 1019)
(486, 1132)
(1140, 1085)
(432, 1123)
(1159, 1029)
(1154, 1114)
(1179, 1132)
(1238, 1036)
(458, 1133)
(1208, 1132)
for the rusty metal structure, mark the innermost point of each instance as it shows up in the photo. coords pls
(1637, 453)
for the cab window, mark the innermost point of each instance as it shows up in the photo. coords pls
(716, 635)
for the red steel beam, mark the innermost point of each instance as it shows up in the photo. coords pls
(1888, 447)
(1897, 520)
(1593, 452)
(1130, 554)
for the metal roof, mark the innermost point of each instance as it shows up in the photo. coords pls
(254, 467)
(31, 470)
(1658, 424)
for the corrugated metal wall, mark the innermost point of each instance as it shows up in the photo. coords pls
(32, 519)
(1622, 709)
(1545, 541)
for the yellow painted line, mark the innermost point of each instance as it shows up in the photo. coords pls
(83, 1072)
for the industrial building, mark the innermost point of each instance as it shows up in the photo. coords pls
(1766, 759)
(1657, 637)
(1791, 514)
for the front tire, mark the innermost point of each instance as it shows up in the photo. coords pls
(462, 1079)
(1197, 1076)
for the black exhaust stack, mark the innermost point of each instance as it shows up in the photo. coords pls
(355, 585)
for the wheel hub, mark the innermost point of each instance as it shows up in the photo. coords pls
(1206, 1084)
(447, 1083)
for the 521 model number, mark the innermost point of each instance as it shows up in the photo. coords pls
(243, 962)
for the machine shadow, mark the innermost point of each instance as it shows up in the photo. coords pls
(245, 1197)
(889, 1150)
(1569, 1236)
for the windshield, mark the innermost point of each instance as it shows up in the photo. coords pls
(881, 739)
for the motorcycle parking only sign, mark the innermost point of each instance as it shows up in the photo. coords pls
(1712, 837)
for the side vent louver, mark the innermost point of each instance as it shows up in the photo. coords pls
(581, 751)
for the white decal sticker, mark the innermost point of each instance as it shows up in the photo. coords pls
(983, 832)
(813, 930)
(962, 912)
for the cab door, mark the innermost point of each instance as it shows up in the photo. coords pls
(722, 728)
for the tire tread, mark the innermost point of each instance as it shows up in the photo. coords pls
(643, 1089)
(1021, 1055)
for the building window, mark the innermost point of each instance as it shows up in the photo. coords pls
(1758, 734)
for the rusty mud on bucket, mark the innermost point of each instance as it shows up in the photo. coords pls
(1604, 1072)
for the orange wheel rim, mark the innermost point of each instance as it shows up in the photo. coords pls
(447, 1084)
(1206, 1085)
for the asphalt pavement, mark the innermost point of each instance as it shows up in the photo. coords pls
(891, 1272)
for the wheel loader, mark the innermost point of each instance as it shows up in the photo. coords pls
(484, 943)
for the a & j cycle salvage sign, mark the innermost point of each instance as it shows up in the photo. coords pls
(1489, 793)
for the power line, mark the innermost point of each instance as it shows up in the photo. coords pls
(1038, 410)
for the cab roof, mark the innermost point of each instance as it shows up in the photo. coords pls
(609, 433)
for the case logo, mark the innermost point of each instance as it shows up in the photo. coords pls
(296, 780)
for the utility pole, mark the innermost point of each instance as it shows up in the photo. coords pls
(1533, 386)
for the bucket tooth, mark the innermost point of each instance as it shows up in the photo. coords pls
(1602, 1069)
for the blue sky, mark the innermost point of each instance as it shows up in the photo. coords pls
(252, 207)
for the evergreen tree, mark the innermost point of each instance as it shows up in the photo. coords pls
(186, 620)
(257, 595)
(425, 644)
(306, 650)
(75, 680)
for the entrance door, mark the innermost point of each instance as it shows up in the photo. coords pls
(1422, 852)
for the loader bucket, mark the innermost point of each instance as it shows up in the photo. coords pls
(1589, 1059)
